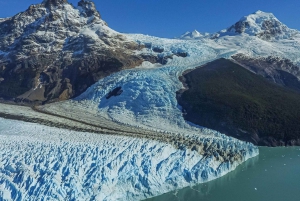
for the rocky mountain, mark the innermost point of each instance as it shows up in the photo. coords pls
(263, 25)
(260, 24)
(243, 104)
(264, 46)
(54, 51)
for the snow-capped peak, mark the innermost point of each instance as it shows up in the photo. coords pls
(53, 20)
(261, 24)
(192, 35)
(195, 34)
(63, 32)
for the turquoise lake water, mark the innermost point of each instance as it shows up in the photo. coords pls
(274, 175)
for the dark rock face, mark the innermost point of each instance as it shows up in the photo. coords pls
(50, 3)
(226, 97)
(56, 54)
(89, 8)
(162, 59)
(116, 92)
(271, 29)
(239, 27)
(181, 54)
(157, 49)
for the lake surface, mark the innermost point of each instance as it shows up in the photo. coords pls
(274, 175)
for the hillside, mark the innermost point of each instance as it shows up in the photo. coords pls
(224, 96)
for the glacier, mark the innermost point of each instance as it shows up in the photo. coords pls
(149, 91)
(148, 101)
(44, 163)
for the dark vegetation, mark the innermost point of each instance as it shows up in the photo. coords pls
(224, 96)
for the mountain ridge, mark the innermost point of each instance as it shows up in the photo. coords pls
(48, 39)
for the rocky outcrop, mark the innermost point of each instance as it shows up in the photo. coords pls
(89, 8)
(275, 69)
(271, 29)
(239, 27)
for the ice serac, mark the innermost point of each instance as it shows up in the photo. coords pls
(263, 25)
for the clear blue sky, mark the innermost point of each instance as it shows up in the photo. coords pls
(170, 18)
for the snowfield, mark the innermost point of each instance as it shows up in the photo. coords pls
(44, 163)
